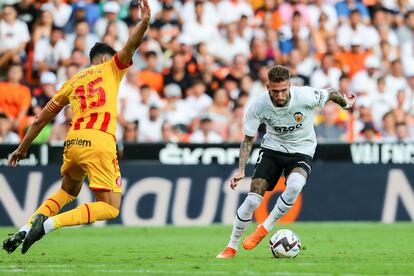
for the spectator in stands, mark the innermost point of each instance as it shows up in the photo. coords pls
(236, 131)
(225, 49)
(82, 31)
(369, 133)
(259, 55)
(399, 111)
(14, 35)
(296, 78)
(6, 135)
(79, 58)
(199, 100)
(329, 130)
(306, 60)
(60, 11)
(323, 16)
(150, 75)
(356, 28)
(111, 10)
(268, 15)
(177, 73)
(405, 32)
(395, 81)
(364, 82)
(167, 134)
(388, 129)
(402, 132)
(219, 113)
(291, 34)
(259, 84)
(200, 30)
(231, 86)
(131, 132)
(175, 110)
(382, 103)
(209, 74)
(287, 11)
(354, 60)
(46, 91)
(238, 68)
(52, 53)
(167, 25)
(238, 8)
(345, 8)
(363, 116)
(132, 18)
(150, 126)
(205, 134)
(42, 28)
(327, 75)
(27, 12)
(15, 98)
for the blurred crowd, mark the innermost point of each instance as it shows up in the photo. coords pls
(203, 62)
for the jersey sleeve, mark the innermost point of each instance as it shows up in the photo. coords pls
(314, 97)
(60, 99)
(251, 121)
(118, 69)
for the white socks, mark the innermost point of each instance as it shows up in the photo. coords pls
(243, 218)
(294, 185)
(25, 228)
(49, 225)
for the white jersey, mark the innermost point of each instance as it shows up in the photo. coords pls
(290, 128)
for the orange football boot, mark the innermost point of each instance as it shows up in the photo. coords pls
(255, 238)
(227, 253)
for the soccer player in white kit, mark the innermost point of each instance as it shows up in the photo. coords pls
(287, 147)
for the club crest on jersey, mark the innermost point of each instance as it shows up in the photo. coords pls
(298, 117)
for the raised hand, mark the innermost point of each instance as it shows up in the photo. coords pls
(350, 98)
(145, 10)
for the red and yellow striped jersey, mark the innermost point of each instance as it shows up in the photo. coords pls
(92, 93)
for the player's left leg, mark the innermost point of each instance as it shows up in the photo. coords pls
(294, 184)
(106, 207)
(51, 206)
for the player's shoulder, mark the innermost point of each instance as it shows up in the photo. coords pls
(301, 90)
(262, 99)
(259, 103)
(305, 94)
(85, 74)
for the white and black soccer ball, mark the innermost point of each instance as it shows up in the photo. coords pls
(285, 244)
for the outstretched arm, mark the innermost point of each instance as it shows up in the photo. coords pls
(245, 149)
(39, 123)
(346, 101)
(137, 34)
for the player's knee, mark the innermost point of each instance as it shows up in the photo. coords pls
(294, 185)
(253, 200)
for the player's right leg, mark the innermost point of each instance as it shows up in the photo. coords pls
(51, 206)
(244, 216)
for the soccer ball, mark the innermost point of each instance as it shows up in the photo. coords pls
(285, 244)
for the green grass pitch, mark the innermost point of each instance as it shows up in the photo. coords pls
(328, 249)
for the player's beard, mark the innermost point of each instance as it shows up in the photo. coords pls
(279, 103)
